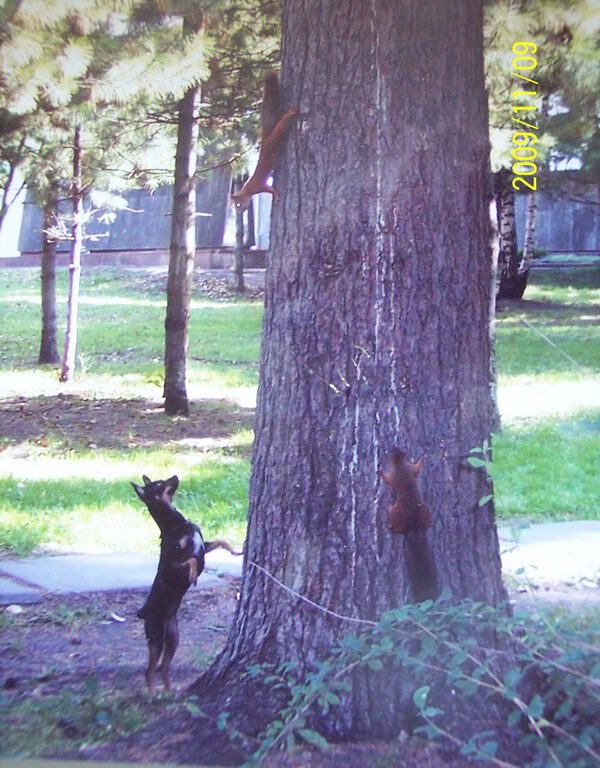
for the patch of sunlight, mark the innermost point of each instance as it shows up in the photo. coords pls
(40, 383)
(86, 531)
(106, 466)
(45, 383)
(550, 319)
(92, 301)
(240, 439)
(244, 397)
(536, 399)
(43, 467)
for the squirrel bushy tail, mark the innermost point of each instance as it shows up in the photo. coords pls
(420, 567)
(410, 516)
(271, 109)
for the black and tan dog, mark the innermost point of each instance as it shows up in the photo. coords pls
(182, 551)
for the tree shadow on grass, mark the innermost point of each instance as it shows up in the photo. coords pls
(119, 424)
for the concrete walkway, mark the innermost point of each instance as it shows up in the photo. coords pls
(554, 558)
(549, 556)
(28, 580)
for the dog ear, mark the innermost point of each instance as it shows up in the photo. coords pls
(140, 491)
(171, 485)
(146, 480)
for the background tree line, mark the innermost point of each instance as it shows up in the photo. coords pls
(99, 96)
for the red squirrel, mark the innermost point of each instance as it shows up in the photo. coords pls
(408, 511)
(410, 516)
(274, 127)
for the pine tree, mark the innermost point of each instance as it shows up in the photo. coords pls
(230, 76)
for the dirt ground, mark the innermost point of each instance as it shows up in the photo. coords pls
(70, 637)
(72, 653)
(86, 647)
(112, 423)
(92, 646)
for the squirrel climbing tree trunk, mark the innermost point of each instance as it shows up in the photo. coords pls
(379, 299)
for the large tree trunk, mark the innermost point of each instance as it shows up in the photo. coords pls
(68, 363)
(379, 301)
(181, 262)
(510, 280)
(48, 345)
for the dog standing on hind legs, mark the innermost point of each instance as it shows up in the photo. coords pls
(182, 551)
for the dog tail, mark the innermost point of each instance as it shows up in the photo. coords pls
(210, 545)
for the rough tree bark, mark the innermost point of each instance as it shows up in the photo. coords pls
(181, 260)
(70, 351)
(511, 283)
(48, 345)
(379, 301)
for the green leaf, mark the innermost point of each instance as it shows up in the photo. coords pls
(536, 707)
(314, 738)
(489, 747)
(513, 718)
(103, 718)
(420, 696)
(475, 462)
(484, 500)
(192, 709)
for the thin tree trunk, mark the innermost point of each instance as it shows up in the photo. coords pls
(249, 235)
(181, 262)
(70, 352)
(376, 335)
(529, 242)
(239, 247)
(48, 345)
(9, 194)
(510, 283)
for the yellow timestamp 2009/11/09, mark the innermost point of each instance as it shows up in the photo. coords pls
(524, 153)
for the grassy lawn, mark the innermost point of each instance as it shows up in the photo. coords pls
(547, 465)
(69, 452)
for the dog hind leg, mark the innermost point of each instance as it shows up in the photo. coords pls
(171, 643)
(155, 636)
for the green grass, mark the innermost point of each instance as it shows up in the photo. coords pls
(64, 481)
(35, 725)
(67, 487)
(549, 470)
(546, 456)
